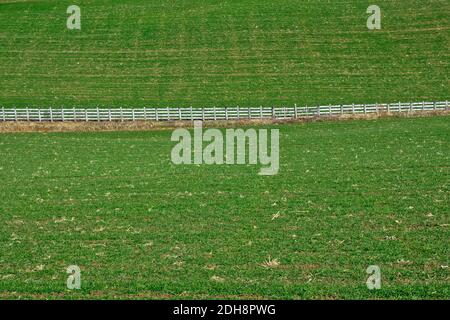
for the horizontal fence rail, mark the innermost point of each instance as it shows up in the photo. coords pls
(207, 114)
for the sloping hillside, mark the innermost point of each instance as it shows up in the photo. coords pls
(229, 52)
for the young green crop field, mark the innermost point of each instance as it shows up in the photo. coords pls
(221, 53)
(348, 195)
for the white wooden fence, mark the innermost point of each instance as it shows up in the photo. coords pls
(215, 113)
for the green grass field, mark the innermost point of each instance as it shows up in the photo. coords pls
(349, 195)
(217, 53)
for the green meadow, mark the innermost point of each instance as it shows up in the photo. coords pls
(348, 195)
(136, 53)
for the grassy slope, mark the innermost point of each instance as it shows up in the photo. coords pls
(349, 194)
(247, 52)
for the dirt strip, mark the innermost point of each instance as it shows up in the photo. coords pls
(167, 125)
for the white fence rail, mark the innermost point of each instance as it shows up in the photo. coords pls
(216, 113)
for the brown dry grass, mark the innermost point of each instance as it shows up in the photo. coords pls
(6, 127)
